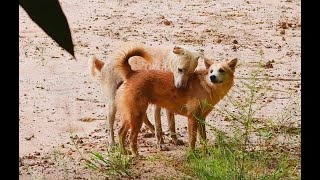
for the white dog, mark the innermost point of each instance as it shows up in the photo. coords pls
(177, 59)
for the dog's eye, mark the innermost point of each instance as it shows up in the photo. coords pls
(211, 71)
(180, 70)
(221, 71)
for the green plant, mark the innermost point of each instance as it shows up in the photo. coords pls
(112, 163)
(249, 151)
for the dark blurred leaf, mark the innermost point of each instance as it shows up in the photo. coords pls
(50, 17)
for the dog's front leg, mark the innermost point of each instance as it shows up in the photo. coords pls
(158, 128)
(172, 128)
(192, 131)
(148, 123)
(202, 131)
(202, 134)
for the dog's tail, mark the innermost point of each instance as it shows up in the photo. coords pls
(123, 55)
(95, 64)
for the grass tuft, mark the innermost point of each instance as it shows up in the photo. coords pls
(237, 155)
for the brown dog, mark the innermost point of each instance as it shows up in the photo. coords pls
(142, 88)
(180, 60)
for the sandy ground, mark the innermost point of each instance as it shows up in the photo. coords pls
(56, 91)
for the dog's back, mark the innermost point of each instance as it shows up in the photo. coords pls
(157, 87)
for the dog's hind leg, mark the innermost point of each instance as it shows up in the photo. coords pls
(158, 128)
(192, 131)
(135, 129)
(111, 113)
(172, 128)
(148, 123)
(122, 136)
(108, 92)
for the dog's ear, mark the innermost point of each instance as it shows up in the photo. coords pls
(232, 63)
(207, 62)
(201, 53)
(178, 50)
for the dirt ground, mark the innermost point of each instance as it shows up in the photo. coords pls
(56, 91)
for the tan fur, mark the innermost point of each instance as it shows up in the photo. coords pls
(164, 58)
(157, 87)
(124, 54)
(95, 63)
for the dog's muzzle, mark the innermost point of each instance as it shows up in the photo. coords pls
(214, 79)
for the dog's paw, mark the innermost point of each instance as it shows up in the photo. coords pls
(204, 150)
(125, 152)
(148, 135)
(111, 144)
(162, 147)
(160, 140)
(138, 157)
(177, 142)
(112, 147)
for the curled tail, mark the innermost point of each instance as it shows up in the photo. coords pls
(94, 63)
(123, 55)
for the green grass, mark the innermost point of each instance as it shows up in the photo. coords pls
(112, 163)
(226, 161)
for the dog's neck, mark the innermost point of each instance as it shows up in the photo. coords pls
(220, 90)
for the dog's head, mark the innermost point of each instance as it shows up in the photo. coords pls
(221, 72)
(183, 65)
